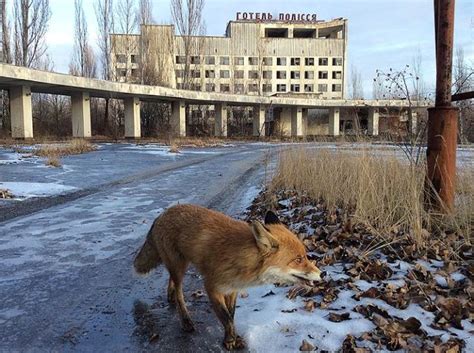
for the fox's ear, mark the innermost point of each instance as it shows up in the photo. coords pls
(265, 241)
(271, 218)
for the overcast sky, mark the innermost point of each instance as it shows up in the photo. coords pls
(382, 33)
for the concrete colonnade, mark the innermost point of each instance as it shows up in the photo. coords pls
(293, 119)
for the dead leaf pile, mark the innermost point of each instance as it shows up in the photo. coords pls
(437, 276)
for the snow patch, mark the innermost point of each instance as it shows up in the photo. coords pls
(24, 190)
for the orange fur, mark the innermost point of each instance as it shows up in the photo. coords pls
(230, 254)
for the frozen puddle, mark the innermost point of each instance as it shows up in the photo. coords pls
(24, 190)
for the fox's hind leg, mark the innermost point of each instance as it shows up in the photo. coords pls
(176, 277)
(171, 292)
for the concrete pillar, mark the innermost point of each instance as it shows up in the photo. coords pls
(81, 114)
(178, 118)
(296, 121)
(285, 121)
(220, 120)
(21, 112)
(413, 123)
(373, 121)
(132, 118)
(259, 121)
(334, 121)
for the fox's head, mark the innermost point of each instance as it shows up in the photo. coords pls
(284, 255)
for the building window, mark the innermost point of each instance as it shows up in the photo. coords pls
(180, 73)
(323, 61)
(337, 88)
(180, 59)
(267, 87)
(239, 60)
(337, 75)
(224, 87)
(281, 75)
(267, 75)
(180, 85)
(281, 61)
(239, 74)
(323, 75)
(337, 61)
(196, 87)
(281, 88)
(133, 59)
(121, 58)
(295, 75)
(295, 88)
(267, 61)
(195, 60)
(309, 75)
(225, 60)
(196, 73)
(308, 88)
(134, 72)
(224, 74)
(210, 74)
(239, 88)
(322, 87)
(309, 61)
(276, 32)
(210, 87)
(210, 60)
(122, 73)
(253, 74)
(253, 87)
(253, 60)
(295, 61)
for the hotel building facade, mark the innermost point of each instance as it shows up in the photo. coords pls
(298, 56)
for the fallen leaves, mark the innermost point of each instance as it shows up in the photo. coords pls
(391, 268)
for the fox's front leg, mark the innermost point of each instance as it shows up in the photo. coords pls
(218, 301)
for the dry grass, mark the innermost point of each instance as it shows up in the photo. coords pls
(174, 148)
(76, 146)
(384, 193)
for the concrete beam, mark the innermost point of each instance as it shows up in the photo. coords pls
(178, 118)
(373, 121)
(21, 112)
(259, 121)
(81, 114)
(334, 121)
(297, 122)
(220, 120)
(132, 118)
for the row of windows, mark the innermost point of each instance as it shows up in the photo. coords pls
(253, 60)
(266, 88)
(253, 74)
(122, 58)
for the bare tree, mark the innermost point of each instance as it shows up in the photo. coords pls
(105, 23)
(83, 59)
(144, 13)
(31, 18)
(187, 17)
(463, 81)
(6, 40)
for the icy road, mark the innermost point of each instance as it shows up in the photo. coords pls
(66, 279)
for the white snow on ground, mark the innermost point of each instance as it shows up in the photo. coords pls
(164, 151)
(262, 320)
(23, 190)
(10, 158)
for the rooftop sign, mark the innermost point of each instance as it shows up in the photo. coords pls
(266, 17)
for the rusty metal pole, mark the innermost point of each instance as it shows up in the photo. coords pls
(443, 118)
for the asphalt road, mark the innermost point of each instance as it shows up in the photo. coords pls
(66, 278)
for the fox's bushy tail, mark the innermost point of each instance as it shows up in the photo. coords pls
(148, 257)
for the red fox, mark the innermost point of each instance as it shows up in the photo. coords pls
(230, 255)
